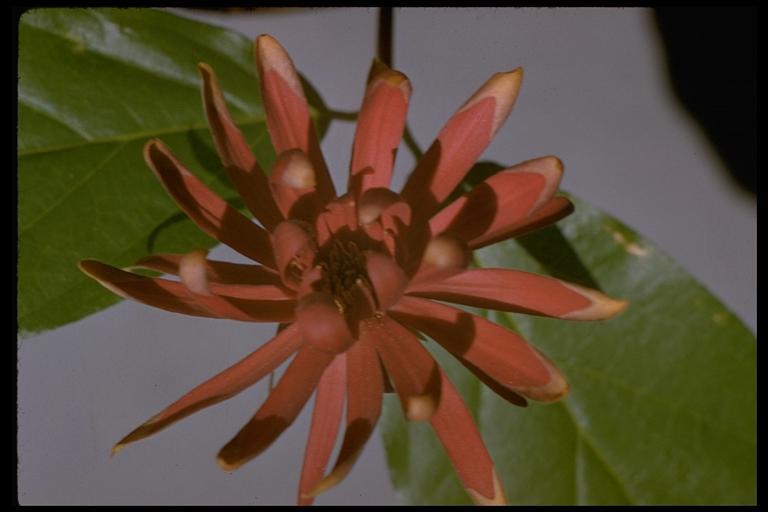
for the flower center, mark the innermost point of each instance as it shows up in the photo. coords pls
(344, 273)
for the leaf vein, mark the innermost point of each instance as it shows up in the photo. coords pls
(589, 442)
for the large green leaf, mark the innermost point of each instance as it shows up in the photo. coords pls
(94, 86)
(662, 405)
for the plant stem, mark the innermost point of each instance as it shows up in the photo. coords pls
(384, 49)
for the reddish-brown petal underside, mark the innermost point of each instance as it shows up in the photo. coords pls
(505, 199)
(279, 410)
(235, 154)
(365, 387)
(498, 352)
(176, 297)
(326, 418)
(210, 212)
(226, 384)
(222, 272)
(521, 292)
(288, 120)
(413, 371)
(461, 141)
(457, 432)
(380, 127)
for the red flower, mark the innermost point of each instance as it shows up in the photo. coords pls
(350, 278)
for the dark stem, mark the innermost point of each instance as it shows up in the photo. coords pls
(384, 50)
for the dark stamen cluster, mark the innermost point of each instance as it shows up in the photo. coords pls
(343, 265)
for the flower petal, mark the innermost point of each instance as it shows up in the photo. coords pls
(365, 387)
(294, 250)
(521, 292)
(210, 212)
(326, 418)
(223, 272)
(293, 184)
(552, 211)
(388, 279)
(380, 127)
(235, 154)
(226, 384)
(498, 352)
(461, 141)
(322, 325)
(457, 432)
(285, 105)
(413, 371)
(279, 410)
(174, 296)
(506, 198)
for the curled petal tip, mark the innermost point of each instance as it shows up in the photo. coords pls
(420, 407)
(204, 68)
(601, 306)
(503, 88)
(117, 449)
(498, 498)
(226, 466)
(556, 389)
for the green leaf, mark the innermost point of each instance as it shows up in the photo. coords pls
(662, 405)
(94, 86)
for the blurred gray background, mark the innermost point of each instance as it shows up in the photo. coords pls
(595, 94)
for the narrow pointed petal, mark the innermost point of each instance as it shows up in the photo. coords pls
(294, 187)
(222, 272)
(461, 141)
(500, 353)
(235, 154)
(326, 418)
(322, 324)
(505, 199)
(365, 387)
(279, 410)
(380, 126)
(210, 212)
(288, 120)
(520, 292)
(413, 371)
(457, 432)
(553, 210)
(226, 384)
(176, 297)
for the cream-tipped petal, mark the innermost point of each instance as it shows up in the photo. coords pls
(503, 88)
(272, 56)
(498, 498)
(601, 306)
